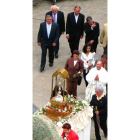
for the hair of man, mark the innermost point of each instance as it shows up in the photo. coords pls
(77, 7)
(54, 6)
(89, 18)
(104, 56)
(48, 16)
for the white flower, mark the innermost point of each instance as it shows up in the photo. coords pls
(48, 104)
(84, 102)
(59, 124)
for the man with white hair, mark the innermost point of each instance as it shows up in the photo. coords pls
(99, 103)
(97, 76)
(58, 17)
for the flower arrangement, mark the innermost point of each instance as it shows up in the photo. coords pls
(79, 106)
(72, 100)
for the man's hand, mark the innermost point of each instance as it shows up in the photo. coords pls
(93, 25)
(97, 77)
(39, 44)
(96, 112)
(81, 36)
(91, 41)
(54, 44)
(62, 33)
(67, 36)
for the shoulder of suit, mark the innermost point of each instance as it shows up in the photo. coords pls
(86, 23)
(53, 23)
(49, 13)
(60, 12)
(72, 13)
(81, 14)
(42, 23)
(104, 97)
(79, 59)
(94, 96)
(69, 59)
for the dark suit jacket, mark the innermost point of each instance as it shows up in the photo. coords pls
(91, 34)
(60, 20)
(74, 69)
(73, 29)
(42, 34)
(101, 106)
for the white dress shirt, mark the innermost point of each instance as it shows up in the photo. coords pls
(76, 17)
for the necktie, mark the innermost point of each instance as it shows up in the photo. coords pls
(48, 30)
(54, 18)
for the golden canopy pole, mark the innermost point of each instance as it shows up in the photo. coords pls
(55, 85)
(52, 89)
(63, 90)
(67, 87)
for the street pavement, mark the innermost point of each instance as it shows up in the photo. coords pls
(42, 80)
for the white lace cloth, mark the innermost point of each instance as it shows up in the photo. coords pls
(80, 120)
(80, 123)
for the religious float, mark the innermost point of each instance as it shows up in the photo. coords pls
(60, 109)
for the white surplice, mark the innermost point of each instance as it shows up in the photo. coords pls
(91, 58)
(90, 89)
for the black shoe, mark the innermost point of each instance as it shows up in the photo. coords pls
(51, 64)
(41, 69)
(56, 55)
(105, 135)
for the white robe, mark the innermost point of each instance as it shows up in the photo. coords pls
(90, 90)
(91, 58)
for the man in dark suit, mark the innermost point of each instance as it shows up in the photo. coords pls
(75, 28)
(58, 17)
(92, 31)
(48, 36)
(99, 103)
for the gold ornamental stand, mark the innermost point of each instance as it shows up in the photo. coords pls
(63, 73)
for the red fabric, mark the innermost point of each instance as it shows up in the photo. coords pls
(72, 135)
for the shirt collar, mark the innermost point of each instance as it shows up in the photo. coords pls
(53, 14)
(99, 98)
(75, 15)
(48, 24)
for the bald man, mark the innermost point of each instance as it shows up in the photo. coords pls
(58, 17)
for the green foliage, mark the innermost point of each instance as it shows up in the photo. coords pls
(44, 129)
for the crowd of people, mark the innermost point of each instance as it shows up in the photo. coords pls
(94, 70)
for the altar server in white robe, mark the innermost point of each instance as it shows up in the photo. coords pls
(97, 76)
(89, 58)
